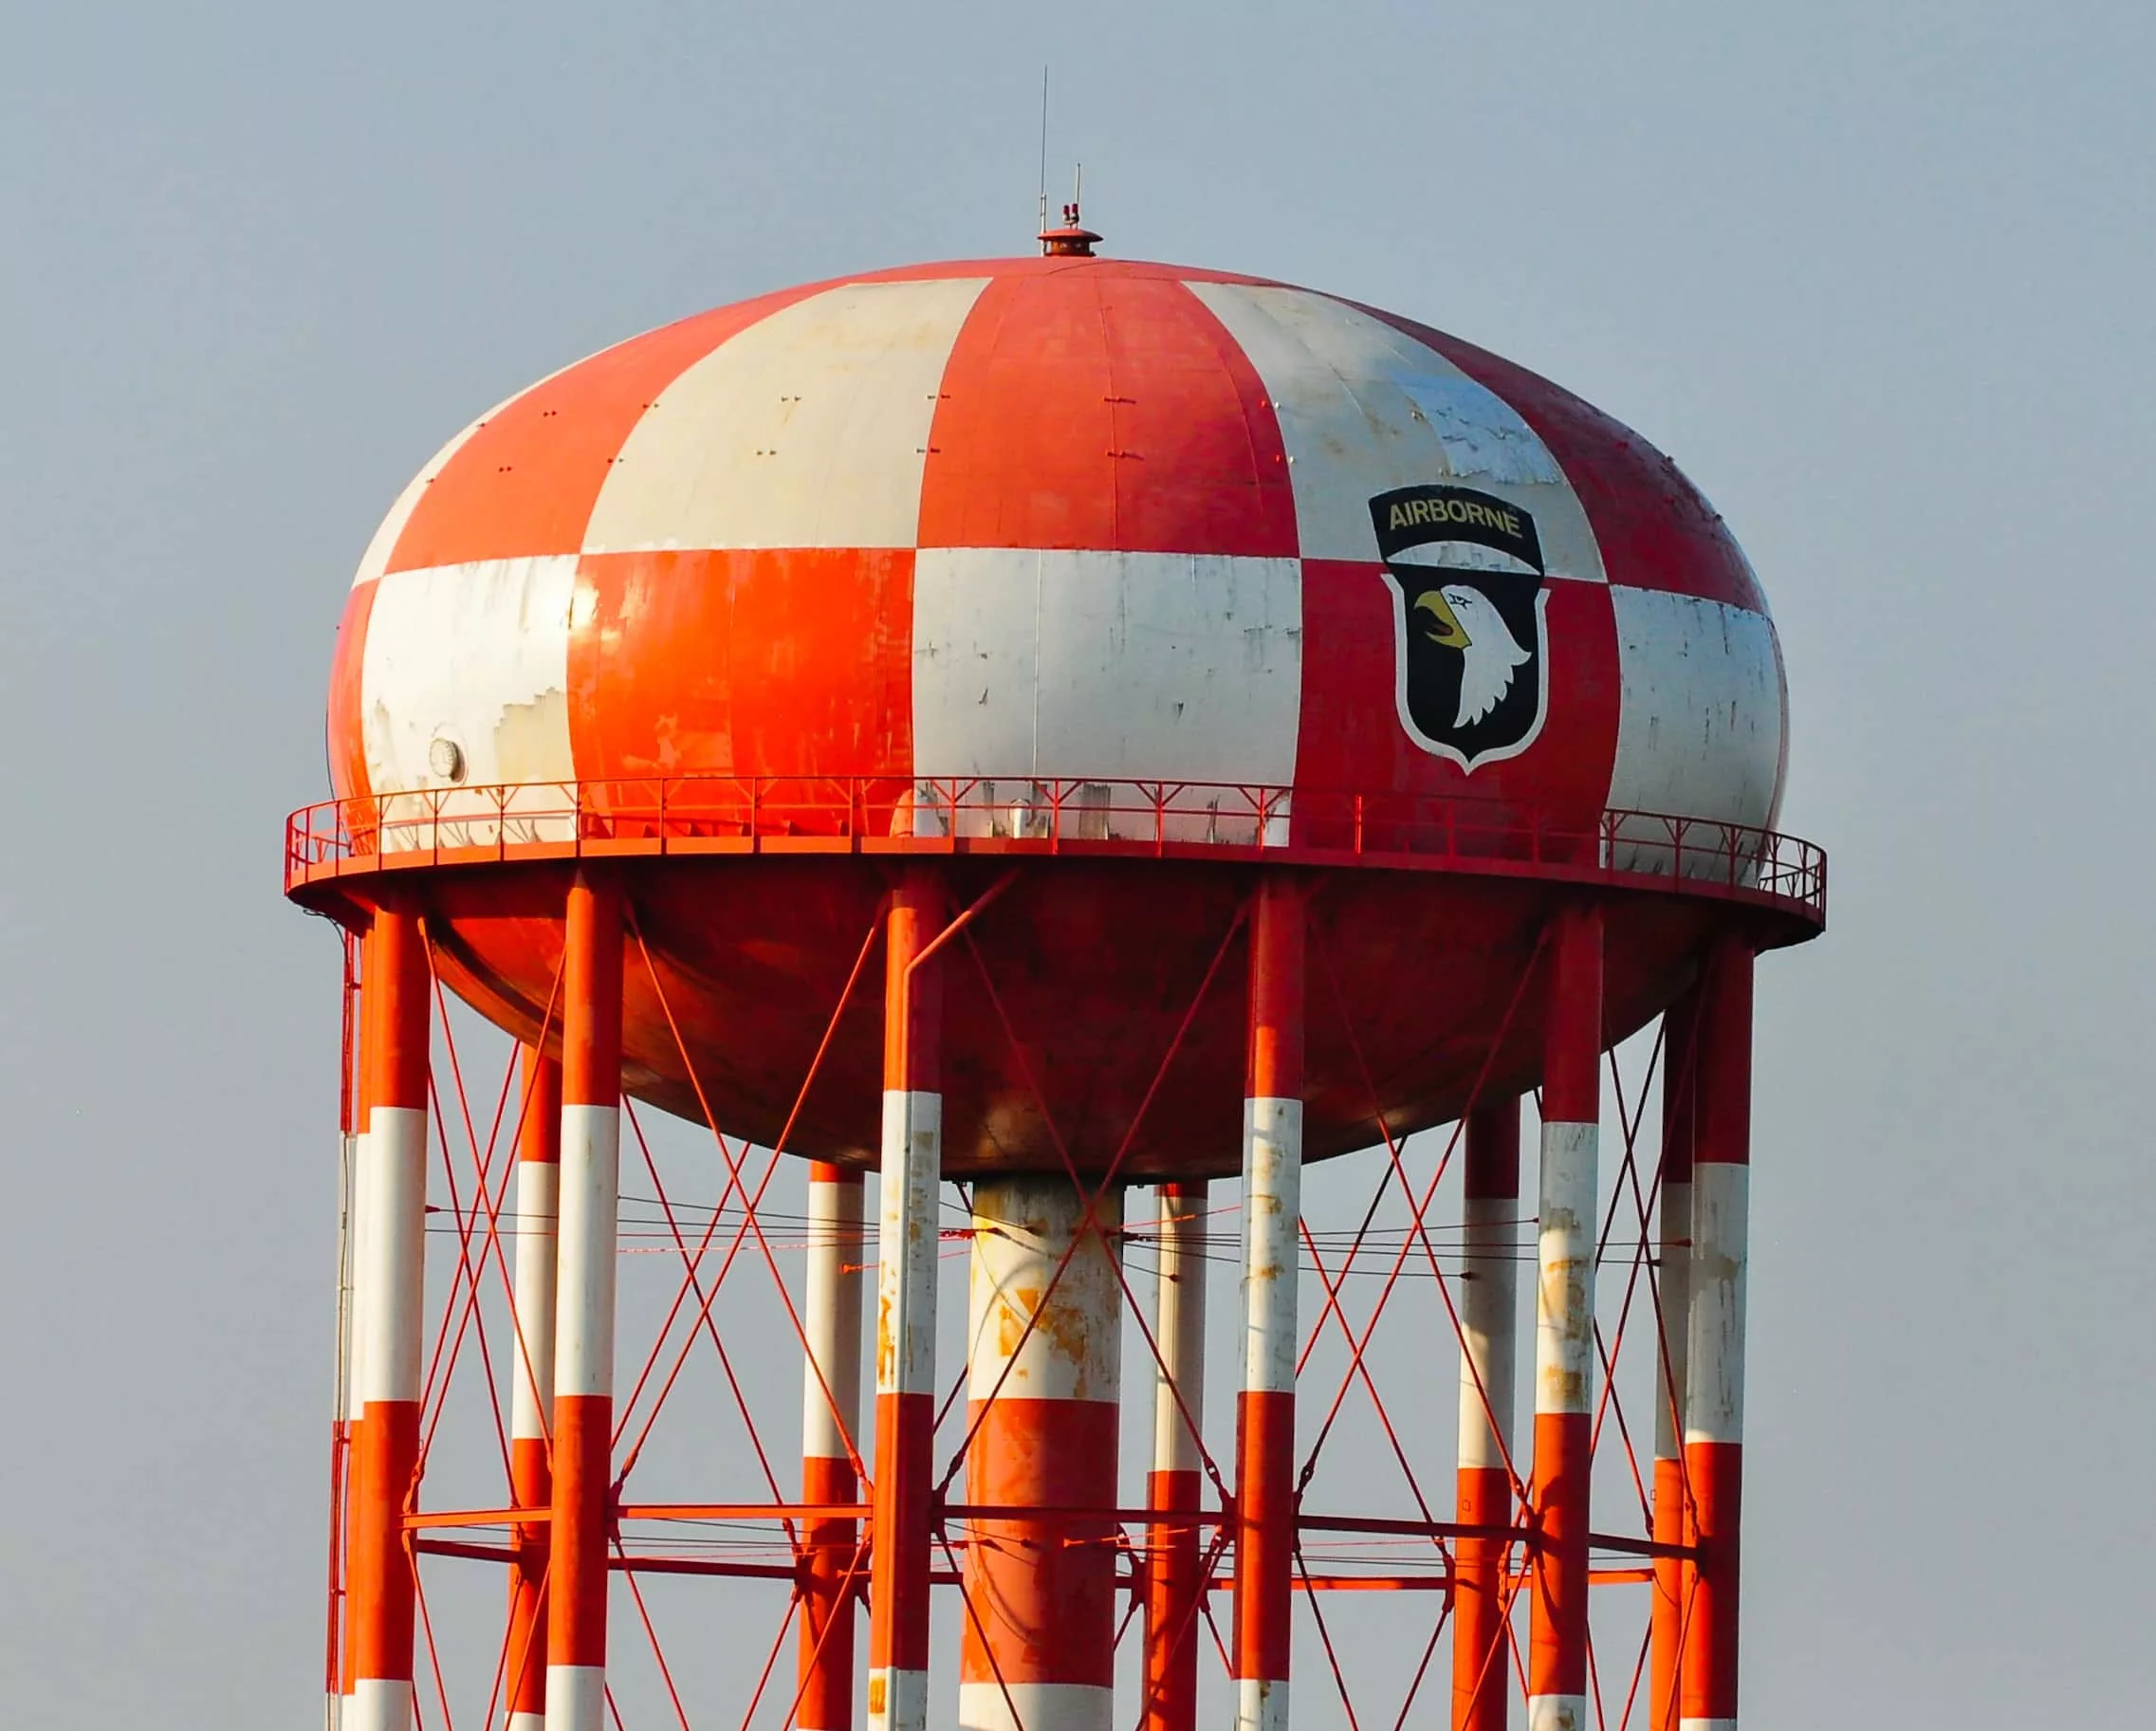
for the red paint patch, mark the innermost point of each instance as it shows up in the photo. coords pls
(1352, 738)
(1103, 409)
(768, 662)
(1046, 1590)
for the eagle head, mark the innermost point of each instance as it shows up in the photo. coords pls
(1462, 617)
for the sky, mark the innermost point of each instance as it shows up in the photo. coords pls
(1867, 272)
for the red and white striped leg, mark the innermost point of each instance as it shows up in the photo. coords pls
(1680, 1075)
(831, 1417)
(1174, 1556)
(1714, 1405)
(906, 1309)
(583, 1331)
(388, 1295)
(1272, 1212)
(358, 1176)
(1564, 1325)
(1489, 1296)
(531, 1396)
(1038, 1650)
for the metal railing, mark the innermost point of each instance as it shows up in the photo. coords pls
(706, 814)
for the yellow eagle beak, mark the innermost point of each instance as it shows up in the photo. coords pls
(1444, 625)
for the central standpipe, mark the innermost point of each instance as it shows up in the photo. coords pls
(388, 1280)
(1564, 1325)
(583, 1331)
(906, 1308)
(830, 1420)
(1489, 1298)
(531, 1398)
(1272, 1213)
(1037, 1649)
(1174, 1584)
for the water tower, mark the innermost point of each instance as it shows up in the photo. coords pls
(1107, 736)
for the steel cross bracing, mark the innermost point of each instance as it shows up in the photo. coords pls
(1385, 1330)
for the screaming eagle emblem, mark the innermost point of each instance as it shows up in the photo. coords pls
(1465, 571)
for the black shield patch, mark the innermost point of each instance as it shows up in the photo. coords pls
(1473, 671)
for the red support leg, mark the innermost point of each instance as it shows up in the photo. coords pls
(1714, 1405)
(1488, 1313)
(1272, 1212)
(531, 1400)
(388, 1292)
(906, 1306)
(1174, 1560)
(583, 1342)
(1564, 1325)
(830, 1401)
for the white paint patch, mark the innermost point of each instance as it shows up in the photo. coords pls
(1035, 1706)
(1714, 1405)
(1364, 408)
(478, 655)
(1564, 1290)
(575, 1698)
(1558, 1713)
(1261, 1703)
(831, 1319)
(1700, 731)
(1488, 1328)
(1033, 1334)
(1032, 666)
(809, 429)
(391, 1288)
(377, 1704)
(1272, 1218)
(1707, 1725)
(591, 1196)
(898, 1700)
(363, 1209)
(1179, 1331)
(907, 1233)
(531, 1397)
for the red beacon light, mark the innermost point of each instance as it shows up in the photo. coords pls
(1071, 239)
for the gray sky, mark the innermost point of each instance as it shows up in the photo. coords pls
(1865, 272)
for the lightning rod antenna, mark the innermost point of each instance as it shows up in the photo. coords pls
(1043, 144)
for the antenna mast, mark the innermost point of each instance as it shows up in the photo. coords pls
(1043, 144)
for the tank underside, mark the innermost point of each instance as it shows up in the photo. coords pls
(1064, 1004)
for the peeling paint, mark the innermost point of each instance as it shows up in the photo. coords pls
(1059, 1343)
(1564, 1292)
(1700, 727)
